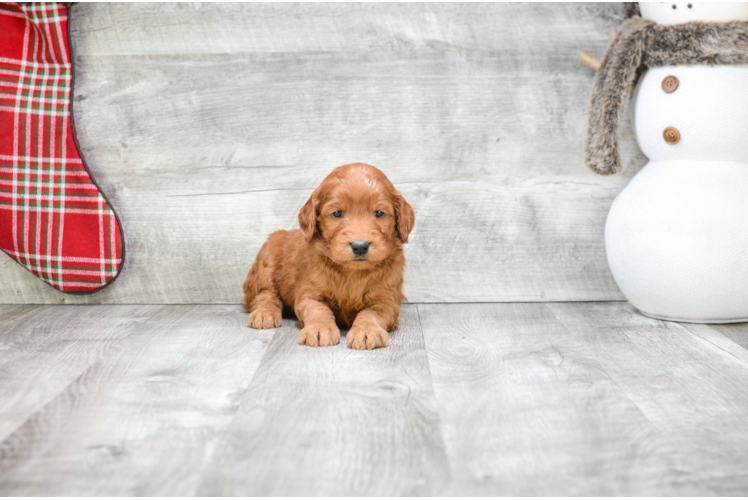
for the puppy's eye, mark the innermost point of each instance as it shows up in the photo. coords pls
(337, 214)
(378, 214)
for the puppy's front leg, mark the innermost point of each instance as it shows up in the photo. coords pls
(369, 329)
(318, 322)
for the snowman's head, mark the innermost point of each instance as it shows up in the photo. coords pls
(683, 12)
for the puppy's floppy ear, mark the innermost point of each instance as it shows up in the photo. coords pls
(308, 216)
(405, 217)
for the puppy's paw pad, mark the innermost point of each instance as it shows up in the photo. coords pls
(319, 335)
(263, 319)
(367, 337)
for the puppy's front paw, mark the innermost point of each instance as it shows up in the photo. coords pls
(367, 337)
(265, 318)
(321, 335)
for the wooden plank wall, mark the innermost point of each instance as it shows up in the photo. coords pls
(208, 126)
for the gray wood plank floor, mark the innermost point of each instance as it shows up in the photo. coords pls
(543, 398)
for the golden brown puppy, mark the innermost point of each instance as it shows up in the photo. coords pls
(344, 265)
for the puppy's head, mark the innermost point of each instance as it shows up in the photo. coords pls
(357, 215)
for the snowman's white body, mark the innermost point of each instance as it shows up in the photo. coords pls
(677, 235)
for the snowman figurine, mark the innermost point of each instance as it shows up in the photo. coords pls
(677, 236)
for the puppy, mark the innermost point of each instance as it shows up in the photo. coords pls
(343, 267)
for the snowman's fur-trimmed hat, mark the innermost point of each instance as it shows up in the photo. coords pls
(631, 9)
(642, 44)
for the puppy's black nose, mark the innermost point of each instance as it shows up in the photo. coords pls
(360, 247)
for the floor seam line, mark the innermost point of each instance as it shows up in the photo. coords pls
(691, 332)
(220, 440)
(450, 484)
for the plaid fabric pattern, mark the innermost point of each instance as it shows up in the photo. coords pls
(53, 219)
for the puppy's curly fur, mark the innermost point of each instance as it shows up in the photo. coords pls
(315, 272)
(642, 44)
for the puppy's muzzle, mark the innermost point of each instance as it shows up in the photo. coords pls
(360, 247)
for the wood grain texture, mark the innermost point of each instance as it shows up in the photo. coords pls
(693, 391)
(335, 421)
(222, 28)
(526, 409)
(144, 419)
(208, 126)
(469, 399)
(43, 349)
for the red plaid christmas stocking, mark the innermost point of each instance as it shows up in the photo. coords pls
(54, 220)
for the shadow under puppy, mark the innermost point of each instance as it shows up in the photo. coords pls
(344, 266)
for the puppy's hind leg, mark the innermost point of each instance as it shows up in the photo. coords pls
(261, 297)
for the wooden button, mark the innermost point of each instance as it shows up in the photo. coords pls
(671, 135)
(669, 84)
